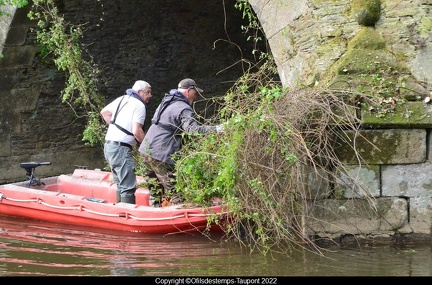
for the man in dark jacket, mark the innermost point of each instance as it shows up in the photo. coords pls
(173, 116)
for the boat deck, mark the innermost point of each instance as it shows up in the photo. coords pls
(95, 184)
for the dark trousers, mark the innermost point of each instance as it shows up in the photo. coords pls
(161, 178)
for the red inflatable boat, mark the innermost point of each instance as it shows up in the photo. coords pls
(88, 198)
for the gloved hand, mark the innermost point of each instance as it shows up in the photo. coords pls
(220, 128)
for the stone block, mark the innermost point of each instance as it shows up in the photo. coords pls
(393, 146)
(421, 214)
(318, 182)
(285, 12)
(333, 218)
(18, 56)
(358, 181)
(411, 180)
(16, 36)
(408, 115)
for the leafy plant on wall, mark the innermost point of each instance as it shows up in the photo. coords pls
(61, 41)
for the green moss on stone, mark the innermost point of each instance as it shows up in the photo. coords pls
(407, 115)
(367, 38)
(366, 12)
(392, 146)
(425, 27)
(368, 67)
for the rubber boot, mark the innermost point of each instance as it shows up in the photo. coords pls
(118, 197)
(128, 199)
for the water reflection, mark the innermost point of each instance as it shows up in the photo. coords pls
(39, 248)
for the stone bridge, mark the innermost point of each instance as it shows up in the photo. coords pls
(164, 41)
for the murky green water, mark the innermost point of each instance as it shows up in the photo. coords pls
(29, 248)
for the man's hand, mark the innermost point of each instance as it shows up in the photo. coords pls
(220, 128)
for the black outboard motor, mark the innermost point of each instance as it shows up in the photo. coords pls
(30, 168)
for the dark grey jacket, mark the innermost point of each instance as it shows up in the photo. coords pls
(172, 117)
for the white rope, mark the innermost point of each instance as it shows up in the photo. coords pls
(17, 200)
(60, 207)
(186, 215)
(104, 214)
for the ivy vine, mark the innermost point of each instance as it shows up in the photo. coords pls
(61, 40)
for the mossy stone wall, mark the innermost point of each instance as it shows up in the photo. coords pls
(382, 48)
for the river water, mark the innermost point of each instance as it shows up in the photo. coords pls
(32, 248)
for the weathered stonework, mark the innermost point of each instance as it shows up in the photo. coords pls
(336, 43)
(334, 218)
(358, 182)
(389, 146)
(405, 115)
